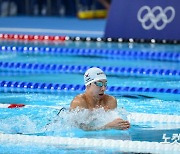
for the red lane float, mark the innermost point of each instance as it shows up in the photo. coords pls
(16, 106)
(21, 37)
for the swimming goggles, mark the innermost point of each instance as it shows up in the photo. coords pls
(100, 84)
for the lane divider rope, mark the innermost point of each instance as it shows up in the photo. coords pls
(110, 53)
(18, 86)
(122, 145)
(40, 38)
(11, 106)
(153, 118)
(110, 70)
(22, 37)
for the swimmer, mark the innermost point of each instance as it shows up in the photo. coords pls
(95, 97)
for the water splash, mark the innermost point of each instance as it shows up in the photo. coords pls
(96, 118)
(46, 122)
(18, 125)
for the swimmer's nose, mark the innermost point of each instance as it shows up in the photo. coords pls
(103, 88)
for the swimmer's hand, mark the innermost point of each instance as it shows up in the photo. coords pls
(118, 124)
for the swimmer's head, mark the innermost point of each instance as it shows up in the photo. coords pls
(93, 74)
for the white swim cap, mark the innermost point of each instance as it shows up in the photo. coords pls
(93, 74)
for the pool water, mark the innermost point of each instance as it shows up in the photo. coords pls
(42, 108)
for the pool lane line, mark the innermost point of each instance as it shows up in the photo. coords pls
(133, 117)
(20, 37)
(122, 145)
(17, 105)
(109, 70)
(20, 86)
(33, 38)
(109, 53)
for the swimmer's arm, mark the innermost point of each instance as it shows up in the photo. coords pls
(118, 123)
(115, 124)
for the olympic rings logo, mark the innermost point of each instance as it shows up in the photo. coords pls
(149, 19)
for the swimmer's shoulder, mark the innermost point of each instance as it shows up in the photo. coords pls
(111, 101)
(78, 101)
(110, 98)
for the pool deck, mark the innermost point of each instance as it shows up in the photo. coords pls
(53, 26)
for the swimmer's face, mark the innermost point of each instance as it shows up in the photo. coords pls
(98, 88)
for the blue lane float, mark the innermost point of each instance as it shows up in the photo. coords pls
(19, 86)
(110, 53)
(110, 70)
